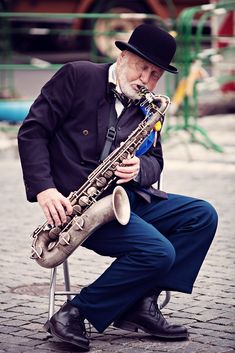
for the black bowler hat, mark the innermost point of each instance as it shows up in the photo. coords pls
(152, 44)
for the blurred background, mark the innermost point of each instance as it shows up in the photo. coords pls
(38, 36)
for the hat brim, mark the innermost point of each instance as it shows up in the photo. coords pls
(126, 46)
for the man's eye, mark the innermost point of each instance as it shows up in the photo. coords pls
(141, 67)
(155, 75)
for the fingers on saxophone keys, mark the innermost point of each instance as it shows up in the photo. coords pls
(125, 177)
(60, 212)
(56, 214)
(126, 171)
(48, 216)
(67, 205)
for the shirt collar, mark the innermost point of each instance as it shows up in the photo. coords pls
(112, 78)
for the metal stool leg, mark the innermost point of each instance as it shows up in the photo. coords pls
(166, 299)
(52, 292)
(66, 279)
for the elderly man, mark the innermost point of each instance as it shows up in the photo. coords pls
(63, 139)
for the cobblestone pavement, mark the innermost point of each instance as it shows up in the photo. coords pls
(208, 312)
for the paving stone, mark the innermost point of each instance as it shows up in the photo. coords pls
(15, 322)
(224, 342)
(222, 321)
(209, 349)
(211, 333)
(26, 318)
(12, 348)
(7, 315)
(27, 333)
(26, 310)
(13, 339)
(32, 326)
(198, 347)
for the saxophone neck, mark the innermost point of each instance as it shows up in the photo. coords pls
(151, 101)
(154, 106)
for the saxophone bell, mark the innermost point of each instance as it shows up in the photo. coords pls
(121, 205)
(50, 253)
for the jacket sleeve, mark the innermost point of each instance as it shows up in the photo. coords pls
(45, 116)
(151, 165)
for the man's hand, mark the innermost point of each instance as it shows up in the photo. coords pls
(129, 170)
(55, 206)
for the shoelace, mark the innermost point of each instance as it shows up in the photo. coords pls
(87, 328)
(157, 312)
(155, 307)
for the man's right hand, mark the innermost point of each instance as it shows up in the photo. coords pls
(55, 206)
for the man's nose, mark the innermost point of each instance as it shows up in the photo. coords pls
(145, 76)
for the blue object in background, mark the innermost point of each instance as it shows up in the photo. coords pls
(14, 110)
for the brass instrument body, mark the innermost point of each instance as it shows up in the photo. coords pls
(51, 246)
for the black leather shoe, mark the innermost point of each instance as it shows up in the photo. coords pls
(68, 325)
(146, 316)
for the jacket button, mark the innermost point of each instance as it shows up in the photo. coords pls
(82, 162)
(85, 132)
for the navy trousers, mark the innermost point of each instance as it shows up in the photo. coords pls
(163, 246)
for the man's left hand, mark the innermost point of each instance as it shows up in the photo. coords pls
(129, 170)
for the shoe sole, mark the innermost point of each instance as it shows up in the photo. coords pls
(130, 326)
(49, 328)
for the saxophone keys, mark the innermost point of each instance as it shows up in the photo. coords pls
(149, 96)
(101, 182)
(64, 239)
(77, 209)
(54, 233)
(51, 245)
(68, 218)
(78, 223)
(83, 201)
(91, 191)
(36, 252)
(114, 166)
(125, 155)
(47, 227)
(36, 232)
(108, 174)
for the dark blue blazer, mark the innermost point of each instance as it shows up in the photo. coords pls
(61, 139)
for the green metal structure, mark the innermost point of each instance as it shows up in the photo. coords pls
(190, 50)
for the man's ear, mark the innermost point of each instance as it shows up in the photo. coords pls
(120, 57)
(124, 53)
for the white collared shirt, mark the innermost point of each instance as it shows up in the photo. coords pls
(112, 79)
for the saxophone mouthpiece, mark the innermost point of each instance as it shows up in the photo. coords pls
(141, 88)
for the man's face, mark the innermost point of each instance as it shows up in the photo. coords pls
(132, 71)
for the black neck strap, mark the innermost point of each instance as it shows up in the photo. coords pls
(111, 133)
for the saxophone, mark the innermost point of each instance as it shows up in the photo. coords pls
(52, 245)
